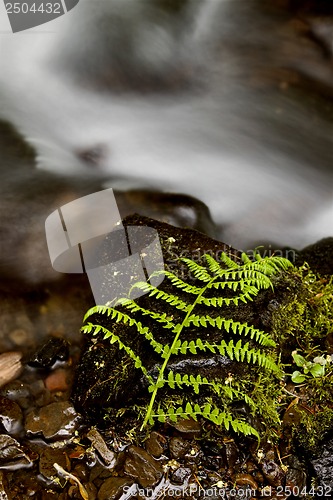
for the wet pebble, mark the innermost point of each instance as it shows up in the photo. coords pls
(178, 447)
(180, 475)
(113, 487)
(10, 416)
(57, 380)
(54, 421)
(48, 457)
(12, 454)
(22, 338)
(142, 467)
(272, 472)
(19, 392)
(246, 480)
(231, 454)
(53, 350)
(156, 444)
(10, 367)
(108, 456)
(187, 427)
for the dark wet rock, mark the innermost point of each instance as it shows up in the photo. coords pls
(19, 392)
(187, 427)
(100, 382)
(54, 421)
(113, 487)
(246, 481)
(142, 467)
(319, 256)
(231, 454)
(156, 444)
(178, 447)
(180, 210)
(48, 457)
(12, 454)
(106, 379)
(180, 475)
(322, 464)
(272, 472)
(10, 367)
(10, 416)
(53, 350)
(296, 476)
(97, 441)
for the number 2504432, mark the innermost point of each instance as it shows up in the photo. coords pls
(35, 8)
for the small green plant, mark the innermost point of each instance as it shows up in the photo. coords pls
(315, 368)
(218, 286)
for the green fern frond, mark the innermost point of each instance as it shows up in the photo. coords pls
(242, 282)
(179, 283)
(199, 272)
(208, 412)
(96, 329)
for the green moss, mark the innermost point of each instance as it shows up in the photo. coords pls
(305, 322)
(313, 429)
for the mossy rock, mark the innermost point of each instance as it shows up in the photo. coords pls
(108, 385)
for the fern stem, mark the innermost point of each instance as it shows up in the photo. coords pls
(160, 378)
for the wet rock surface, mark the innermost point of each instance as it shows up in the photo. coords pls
(53, 422)
(323, 466)
(319, 256)
(12, 455)
(53, 350)
(10, 367)
(144, 469)
(11, 416)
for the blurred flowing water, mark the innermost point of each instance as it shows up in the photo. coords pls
(199, 101)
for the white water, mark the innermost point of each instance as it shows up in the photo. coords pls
(258, 158)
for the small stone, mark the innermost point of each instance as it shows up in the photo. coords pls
(10, 367)
(10, 415)
(18, 392)
(156, 444)
(113, 487)
(246, 480)
(54, 421)
(180, 475)
(100, 446)
(188, 427)
(48, 457)
(232, 454)
(54, 349)
(12, 455)
(57, 380)
(272, 472)
(21, 337)
(178, 447)
(142, 467)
